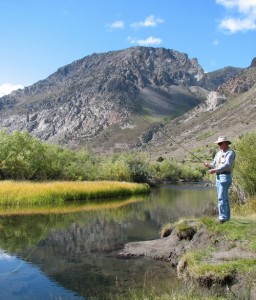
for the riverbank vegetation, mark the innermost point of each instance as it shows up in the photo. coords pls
(44, 193)
(245, 167)
(163, 292)
(23, 157)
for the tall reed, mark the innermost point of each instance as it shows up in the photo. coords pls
(32, 193)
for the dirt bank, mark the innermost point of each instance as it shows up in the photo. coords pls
(201, 254)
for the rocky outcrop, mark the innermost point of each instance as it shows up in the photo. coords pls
(214, 100)
(148, 135)
(212, 80)
(253, 63)
(241, 83)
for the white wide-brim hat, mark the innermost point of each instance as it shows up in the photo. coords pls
(222, 139)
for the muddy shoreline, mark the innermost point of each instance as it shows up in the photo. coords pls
(192, 236)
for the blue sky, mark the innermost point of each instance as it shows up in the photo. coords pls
(40, 36)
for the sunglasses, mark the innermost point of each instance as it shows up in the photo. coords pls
(220, 143)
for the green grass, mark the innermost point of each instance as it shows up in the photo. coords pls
(201, 270)
(240, 232)
(241, 228)
(33, 193)
(202, 266)
(180, 292)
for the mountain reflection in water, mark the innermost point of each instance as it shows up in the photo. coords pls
(76, 258)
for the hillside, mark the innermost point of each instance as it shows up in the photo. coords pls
(94, 96)
(98, 101)
(234, 116)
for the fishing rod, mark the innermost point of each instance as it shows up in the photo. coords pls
(168, 136)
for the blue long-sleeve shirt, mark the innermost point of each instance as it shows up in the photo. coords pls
(224, 161)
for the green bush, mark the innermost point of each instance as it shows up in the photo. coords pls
(128, 167)
(190, 173)
(169, 170)
(23, 157)
(138, 164)
(245, 164)
(113, 170)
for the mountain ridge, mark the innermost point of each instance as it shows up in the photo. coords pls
(197, 129)
(96, 101)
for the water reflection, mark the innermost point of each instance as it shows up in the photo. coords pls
(28, 282)
(78, 249)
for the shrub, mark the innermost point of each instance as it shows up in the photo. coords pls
(245, 165)
(173, 171)
(138, 164)
(21, 156)
(24, 157)
(165, 170)
(190, 173)
(114, 170)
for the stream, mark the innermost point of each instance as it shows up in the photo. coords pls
(74, 255)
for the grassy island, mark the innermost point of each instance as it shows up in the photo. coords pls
(24, 193)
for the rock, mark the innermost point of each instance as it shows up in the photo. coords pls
(214, 99)
(147, 136)
(253, 63)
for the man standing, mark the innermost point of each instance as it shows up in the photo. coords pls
(222, 165)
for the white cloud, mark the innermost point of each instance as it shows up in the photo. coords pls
(5, 256)
(7, 88)
(150, 41)
(243, 6)
(246, 19)
(150, 21)
(233, 25)
(117, 25)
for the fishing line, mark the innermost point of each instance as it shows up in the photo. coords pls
(31, 252)
(168, 136)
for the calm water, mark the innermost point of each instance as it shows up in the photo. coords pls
(75, 254)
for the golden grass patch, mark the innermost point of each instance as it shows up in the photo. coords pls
(14, 193)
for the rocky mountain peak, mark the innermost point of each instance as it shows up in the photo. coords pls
(97, 100)
(89, 96)
(253, 63)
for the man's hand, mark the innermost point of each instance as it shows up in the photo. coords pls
(212, 171)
